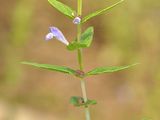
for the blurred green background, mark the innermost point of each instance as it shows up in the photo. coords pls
(129, 33)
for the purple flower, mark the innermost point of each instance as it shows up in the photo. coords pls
(55, 32)
(77, 20)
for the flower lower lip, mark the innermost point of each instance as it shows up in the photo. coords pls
(55, 32)
(49, 36)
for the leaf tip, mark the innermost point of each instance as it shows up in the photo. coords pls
(135, 64)
(23, 62)
(92, 28)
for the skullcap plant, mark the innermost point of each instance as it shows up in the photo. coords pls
(83, 40)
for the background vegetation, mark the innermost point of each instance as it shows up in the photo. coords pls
(129, 33)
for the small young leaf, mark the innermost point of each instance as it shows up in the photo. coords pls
(66, 10)
(77, 101)
(99, 12)
(101, 70)
(52, 67)
(91, 102)
(85, 41)
(74, 45)
(87, 36)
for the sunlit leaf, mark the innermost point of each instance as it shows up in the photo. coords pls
(85, 41)
(99, 12)
(87, 37)
(52, 67)
(66, 10)
(101, 70)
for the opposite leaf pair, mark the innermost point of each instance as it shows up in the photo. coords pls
(79, 101)
(76, 73)
(68, 11)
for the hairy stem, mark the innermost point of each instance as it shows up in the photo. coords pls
(79, 52)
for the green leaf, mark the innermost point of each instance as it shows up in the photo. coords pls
(85, 41)
(87, 37)
(79, 101)
(51, 67)
(99, 12)
(101, 70)
(74, 45)
(76, 101)
(66, 10)
(91, 102)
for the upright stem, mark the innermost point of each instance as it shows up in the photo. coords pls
(79, 50)
(79, 9)
(83, 86)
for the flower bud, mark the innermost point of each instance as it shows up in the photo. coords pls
(77, 20)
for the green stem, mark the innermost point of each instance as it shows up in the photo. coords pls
(79, 52)
(79, 10)
(83, 87)
(80, 59)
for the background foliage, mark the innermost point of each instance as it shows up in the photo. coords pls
(127, 34)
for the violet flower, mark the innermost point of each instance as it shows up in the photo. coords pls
(77, 20)
(55, 32)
